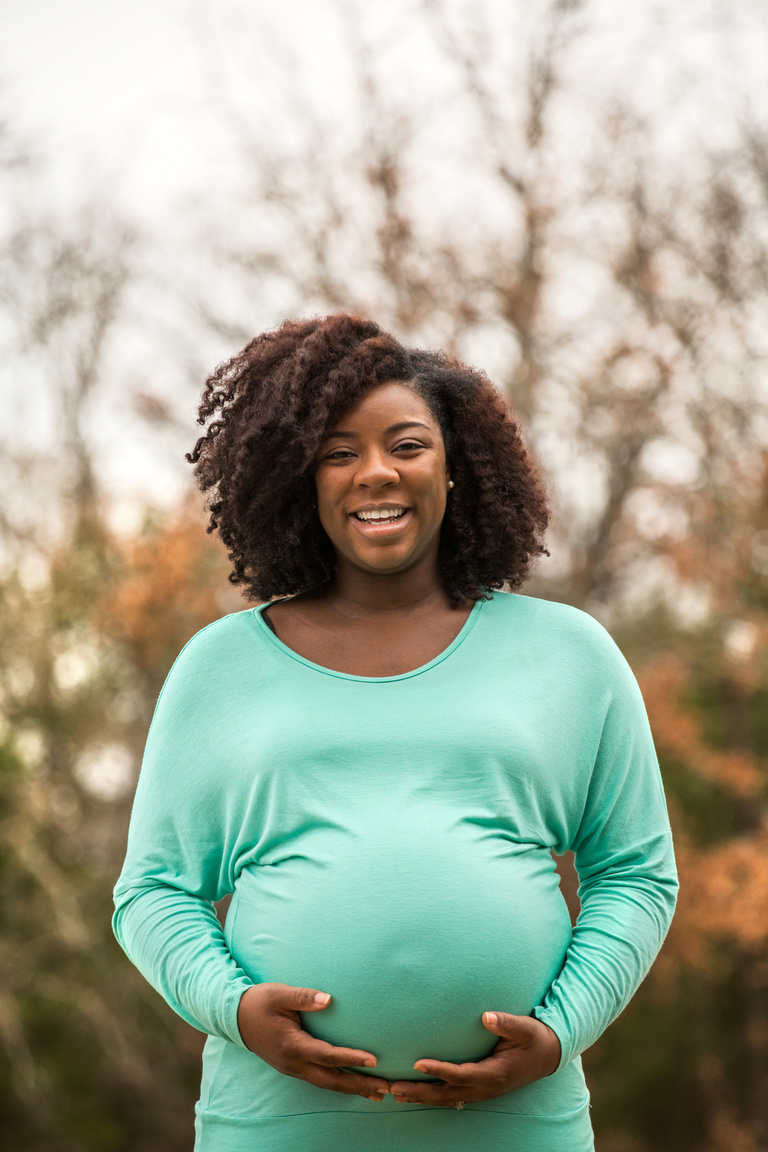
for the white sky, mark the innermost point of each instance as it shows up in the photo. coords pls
(119, 93)
(109, 86)
(116, 86)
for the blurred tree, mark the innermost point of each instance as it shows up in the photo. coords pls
(627, 293)
(619, 299)
(90, 1058)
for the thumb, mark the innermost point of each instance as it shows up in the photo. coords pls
(503, 1024)
(305, 999)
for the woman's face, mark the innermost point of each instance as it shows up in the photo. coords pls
(386, 452)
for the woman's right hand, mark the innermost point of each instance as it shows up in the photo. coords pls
(270, 1025)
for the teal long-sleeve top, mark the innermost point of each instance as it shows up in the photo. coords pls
(389, 840)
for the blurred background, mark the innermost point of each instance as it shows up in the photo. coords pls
(572, 195)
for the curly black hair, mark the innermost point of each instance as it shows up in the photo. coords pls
(278, 397)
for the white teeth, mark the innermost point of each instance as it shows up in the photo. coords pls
(382, 514)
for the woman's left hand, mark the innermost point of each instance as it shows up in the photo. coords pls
(528, 1050)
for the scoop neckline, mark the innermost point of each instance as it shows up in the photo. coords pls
(458, 639)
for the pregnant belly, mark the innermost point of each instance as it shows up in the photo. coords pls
(413, 944)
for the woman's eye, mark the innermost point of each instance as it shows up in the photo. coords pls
(341, 453)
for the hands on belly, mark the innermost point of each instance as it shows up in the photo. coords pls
(527, 1051)
(270, 1025)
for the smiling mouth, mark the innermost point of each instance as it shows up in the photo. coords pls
(381, 519)
(381, 527)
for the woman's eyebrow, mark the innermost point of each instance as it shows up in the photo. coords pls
(392, 428)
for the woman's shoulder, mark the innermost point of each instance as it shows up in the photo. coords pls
(215, 646)
(537, 608)
(554, 624)
(565, 644)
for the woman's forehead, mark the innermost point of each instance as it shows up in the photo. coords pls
(394, 400)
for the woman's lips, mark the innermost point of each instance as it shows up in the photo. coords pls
(377, 529)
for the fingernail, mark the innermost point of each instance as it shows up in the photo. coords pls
(420, 1068)
(492, 1018)
(368, 1064)
(378, 1099)
(321, 997)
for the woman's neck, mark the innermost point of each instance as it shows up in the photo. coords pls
(358, 594)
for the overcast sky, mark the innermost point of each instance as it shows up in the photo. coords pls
(123, 90)
(116, 86)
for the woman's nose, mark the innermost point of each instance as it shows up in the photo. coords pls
(375, 469)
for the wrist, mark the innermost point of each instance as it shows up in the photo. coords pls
(555, 1051)
(244, 1004)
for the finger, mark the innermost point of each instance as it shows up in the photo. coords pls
(316, 1051)
(488, 1078)
(459, 1074)
(437, 1095)
(287, 998)
(350, 1083)
(518, 1028)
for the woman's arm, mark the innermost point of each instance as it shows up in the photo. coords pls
(628, 881)
(628, 889)
(191, 821)
(176, 863)
(175, 940)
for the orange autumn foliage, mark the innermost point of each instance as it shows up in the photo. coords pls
(723, 887)
(678, 732)
(172, 581)
(723, 900)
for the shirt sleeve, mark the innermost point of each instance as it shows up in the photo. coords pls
(176, 863)
(627, 876)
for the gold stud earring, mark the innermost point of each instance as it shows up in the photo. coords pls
(450, 483)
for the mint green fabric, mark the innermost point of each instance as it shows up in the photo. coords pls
(388, 840)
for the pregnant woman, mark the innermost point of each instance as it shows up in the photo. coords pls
(377, 762)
